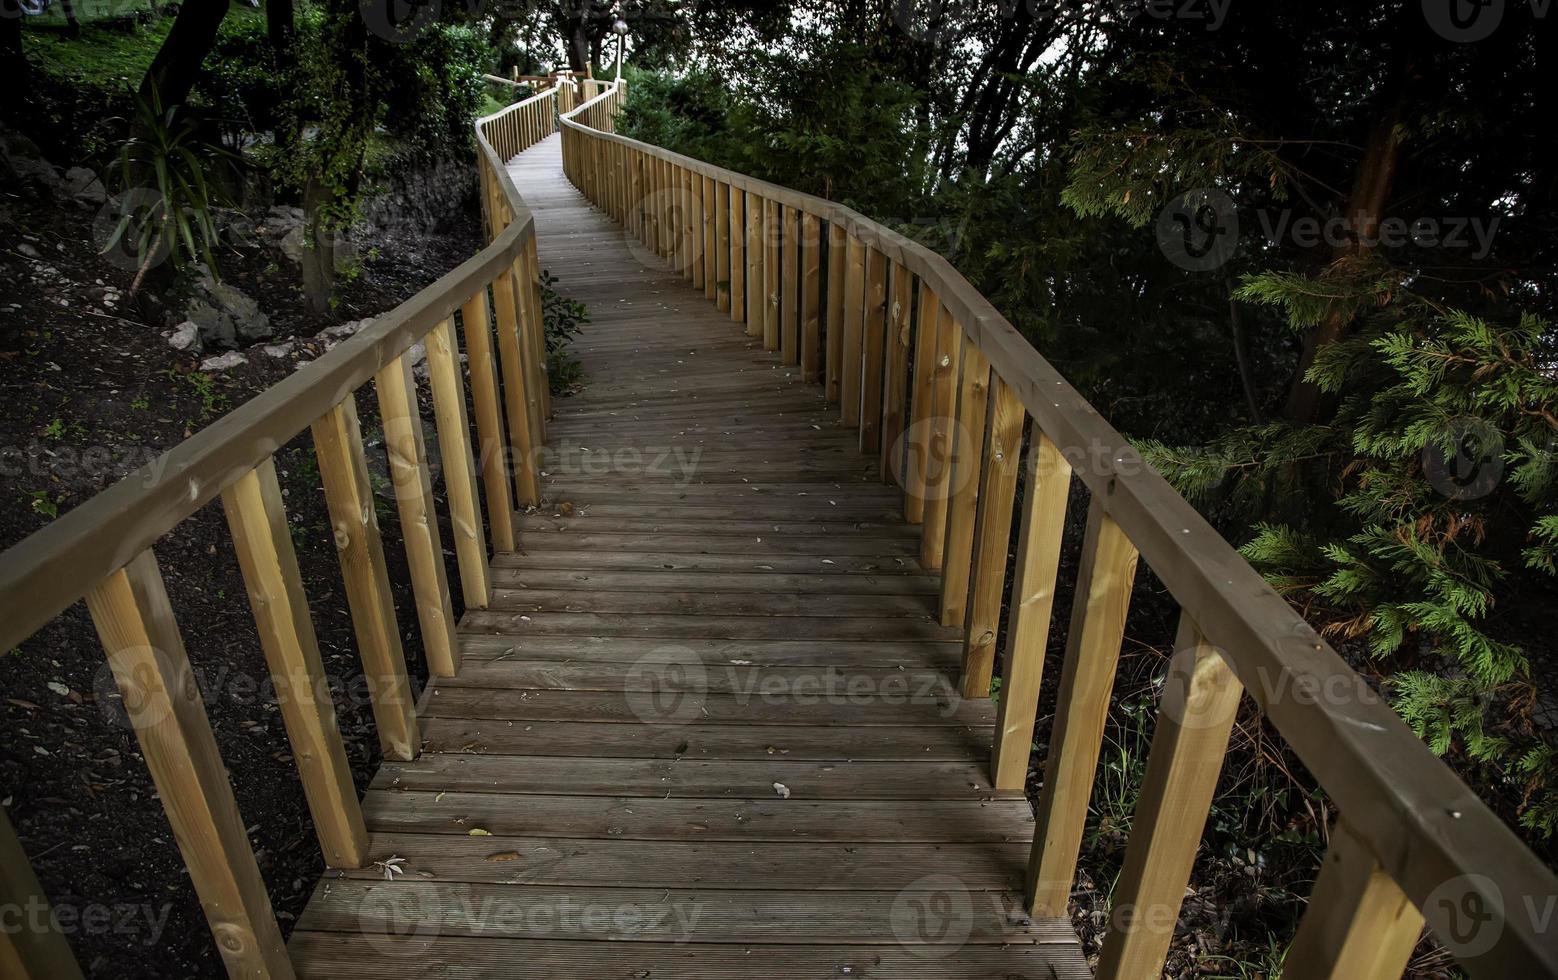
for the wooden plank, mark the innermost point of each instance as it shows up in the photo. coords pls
(722, 248)
(772, 233)
(922, 406)
(707, 210)
(765, 603)
(402, 421)
(1047, 488)
(475, 319)
(628, 649)
(1358, 926)
(939, 442)
(968, 464)
(613, 740)
(838, 261)
(676, 626)
(992, 537)
(888, 685)
(811, 298)
(262, 540)
(1195, 715)
(756, 253)
(146, 652)
(32, 946)
(343, 469)
(852, 356)
(459, 468)
(696, 222)
(738, 256)
(692, 583)
(895, 392)
(1103, 596)
(330, 954)
(754, 821)
(523, 447)
(789, 287)
(873, 351)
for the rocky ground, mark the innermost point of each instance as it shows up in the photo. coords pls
(95, 385)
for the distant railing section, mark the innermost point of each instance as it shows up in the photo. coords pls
(940, 387)
(103, 551)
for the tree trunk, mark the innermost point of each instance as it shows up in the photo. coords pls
(173, 71)
(318, 248)
(72, 24)
(13, 63)
(1365, 208)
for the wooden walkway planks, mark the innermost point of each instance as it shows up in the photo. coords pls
(709, 726)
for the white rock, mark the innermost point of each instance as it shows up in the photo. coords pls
(27, 250)
(278, 350)
(223, 362)
(184, 335)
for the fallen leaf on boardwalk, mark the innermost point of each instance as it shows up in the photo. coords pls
(503, 856)
(478, 832)
(782, 790)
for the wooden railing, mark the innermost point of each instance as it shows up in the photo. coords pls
(927, 370)
(103, 551)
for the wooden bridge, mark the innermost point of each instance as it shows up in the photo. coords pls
(719, 704)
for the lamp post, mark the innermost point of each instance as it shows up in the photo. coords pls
(619, 27)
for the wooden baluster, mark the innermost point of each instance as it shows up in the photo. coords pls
(418, 523)
(811, 298)
(710, 250)
(493, 459)
(459, 468)
(938, 453)
(524, 449)
(755, 252)
(738, 256)
(967, 469)
(1103, 597)
(789, 287)
(533, 327)
(722, 266)
(135, 623)
(1195, 716)
(873, 351)
(31, 945)
(895, 395)
(1033, 598)
(670, 214)
(854, 331)
(771, 273)
(922, 405)
(838, 262)
(695, 214)
(343, 469)
(263, 542)
(992, 537)
(1359, 925)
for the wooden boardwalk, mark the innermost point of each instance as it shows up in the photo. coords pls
(709, 726)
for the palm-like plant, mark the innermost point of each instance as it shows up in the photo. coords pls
(171, 184)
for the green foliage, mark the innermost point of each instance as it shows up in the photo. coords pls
(172, 179)
(563, 319)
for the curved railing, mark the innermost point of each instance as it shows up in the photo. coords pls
(929, 371)
(103, 551)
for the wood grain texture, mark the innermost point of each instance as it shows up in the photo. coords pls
(487, 400)
(992, 538)
(31, 946)
(446, 379)
(966, 482)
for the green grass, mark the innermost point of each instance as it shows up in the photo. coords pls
(101, 57)
(90, 11)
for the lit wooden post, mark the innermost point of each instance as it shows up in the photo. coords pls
(30, 947)
(873, 350)
(771, 273)
(710, 211)
(922, 405)
(895, 394)
(135, 622)
(722, 265)
(992, 537)
(492, 454)
(738, 256)
(790, 288)
(523, 449)
(445, 377)
(755, 252)
(1103, 597)
(937, 460)
(967, 469)
(811, 298)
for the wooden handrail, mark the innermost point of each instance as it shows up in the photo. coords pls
(1425, 829)
(103, 551)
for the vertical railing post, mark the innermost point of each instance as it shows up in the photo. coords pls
(738, 256)
(524, 449)
(492, 453)
(135, 621)
(789, 287)
(710, 212)
(811, 298)
(838, 261)
(446, 379)
(532, 326)
(695, 211)
(895, 393)
(771, 273)
(937, 460)
(992, 537)
(967, 469)
(1195, 716)
(1103, 597)
(722, 243)
(418, 522)
(1033, 598)
(31, 945)
(854, 323)
(922, 405)
(755, 252)
(873, 351)
(1359, 925)
(343, 469)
